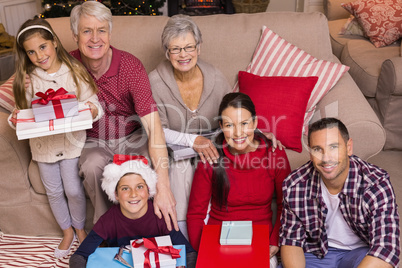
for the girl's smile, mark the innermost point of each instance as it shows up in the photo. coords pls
(42, 53)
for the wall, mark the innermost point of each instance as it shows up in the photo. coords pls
(15, 12)
(313, 5)
(283, 5)
(296, 5)
(274, 5)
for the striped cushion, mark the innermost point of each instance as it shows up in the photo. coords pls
(7, 96)
(274, 56)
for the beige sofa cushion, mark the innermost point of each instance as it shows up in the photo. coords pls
(366, 69)
(334, 11)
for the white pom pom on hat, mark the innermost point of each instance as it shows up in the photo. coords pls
(123, 164)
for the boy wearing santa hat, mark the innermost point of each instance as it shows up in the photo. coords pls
(130, 183)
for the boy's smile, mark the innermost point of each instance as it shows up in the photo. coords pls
(132, 194)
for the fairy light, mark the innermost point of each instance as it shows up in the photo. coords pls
(60, 8)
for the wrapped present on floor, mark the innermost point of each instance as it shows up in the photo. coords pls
(54, 105)
(27, 127)
(154, 252)
(114, 257)
(236, 233)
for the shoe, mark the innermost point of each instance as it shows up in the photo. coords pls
(60, 253)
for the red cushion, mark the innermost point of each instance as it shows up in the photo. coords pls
(274, 56)
(280, 103)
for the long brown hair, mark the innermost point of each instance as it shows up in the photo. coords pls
(25, 66)
(221, 183)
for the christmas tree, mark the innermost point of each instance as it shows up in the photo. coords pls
(60, 8)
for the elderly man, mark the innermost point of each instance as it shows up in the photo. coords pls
(338, 210)
(125, 93)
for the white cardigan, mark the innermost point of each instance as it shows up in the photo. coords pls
(50, 149)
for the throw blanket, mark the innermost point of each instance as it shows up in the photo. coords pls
(31, 252)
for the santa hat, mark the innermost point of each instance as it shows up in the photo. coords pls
(123, 164)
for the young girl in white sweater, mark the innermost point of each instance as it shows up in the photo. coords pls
(40, 55)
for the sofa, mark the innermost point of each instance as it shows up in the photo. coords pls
(376, 71)
(229, 43)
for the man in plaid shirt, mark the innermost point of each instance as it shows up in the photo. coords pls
(338, 210)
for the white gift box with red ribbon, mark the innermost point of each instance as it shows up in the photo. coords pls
(27, 127)
(154, 252)
(54, 105)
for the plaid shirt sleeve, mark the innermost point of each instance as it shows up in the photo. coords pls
(379, 210)
(292, 231)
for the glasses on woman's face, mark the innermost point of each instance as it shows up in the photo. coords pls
(177, 50)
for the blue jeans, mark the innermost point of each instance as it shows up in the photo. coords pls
(336, 258)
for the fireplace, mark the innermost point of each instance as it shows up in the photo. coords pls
(199, 7)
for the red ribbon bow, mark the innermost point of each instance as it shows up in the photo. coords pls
(55, 97)
(119, 159)
(51, 95)
(152, 246)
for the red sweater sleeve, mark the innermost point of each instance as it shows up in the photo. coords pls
(282, 170)
(201, 191)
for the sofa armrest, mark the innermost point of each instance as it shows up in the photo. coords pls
(346, 102)
(389, 101)
(390, 79)
(15, 157)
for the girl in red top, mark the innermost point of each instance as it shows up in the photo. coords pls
(242, 185)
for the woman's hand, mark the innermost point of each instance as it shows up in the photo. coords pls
(206, 150)
(275, 143)
(273, 250)
(93, 108)
(13, 118)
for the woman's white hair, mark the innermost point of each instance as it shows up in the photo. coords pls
(180, 25)
(90, 8)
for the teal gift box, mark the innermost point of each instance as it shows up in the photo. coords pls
(236, 233)
(104, 257)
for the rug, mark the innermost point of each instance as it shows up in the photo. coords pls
(31, 252)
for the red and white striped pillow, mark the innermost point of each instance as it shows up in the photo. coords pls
(7, 96)
(274, 56)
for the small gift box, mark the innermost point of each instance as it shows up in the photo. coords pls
(236, 233)
(27, 127)
(107, 257)
(54, 105)
(154, 252)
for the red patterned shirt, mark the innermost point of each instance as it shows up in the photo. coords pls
(367, 202)
(124, 93)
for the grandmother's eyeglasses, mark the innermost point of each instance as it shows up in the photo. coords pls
(177, 50)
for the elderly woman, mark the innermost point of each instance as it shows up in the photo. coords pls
(188, 92)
